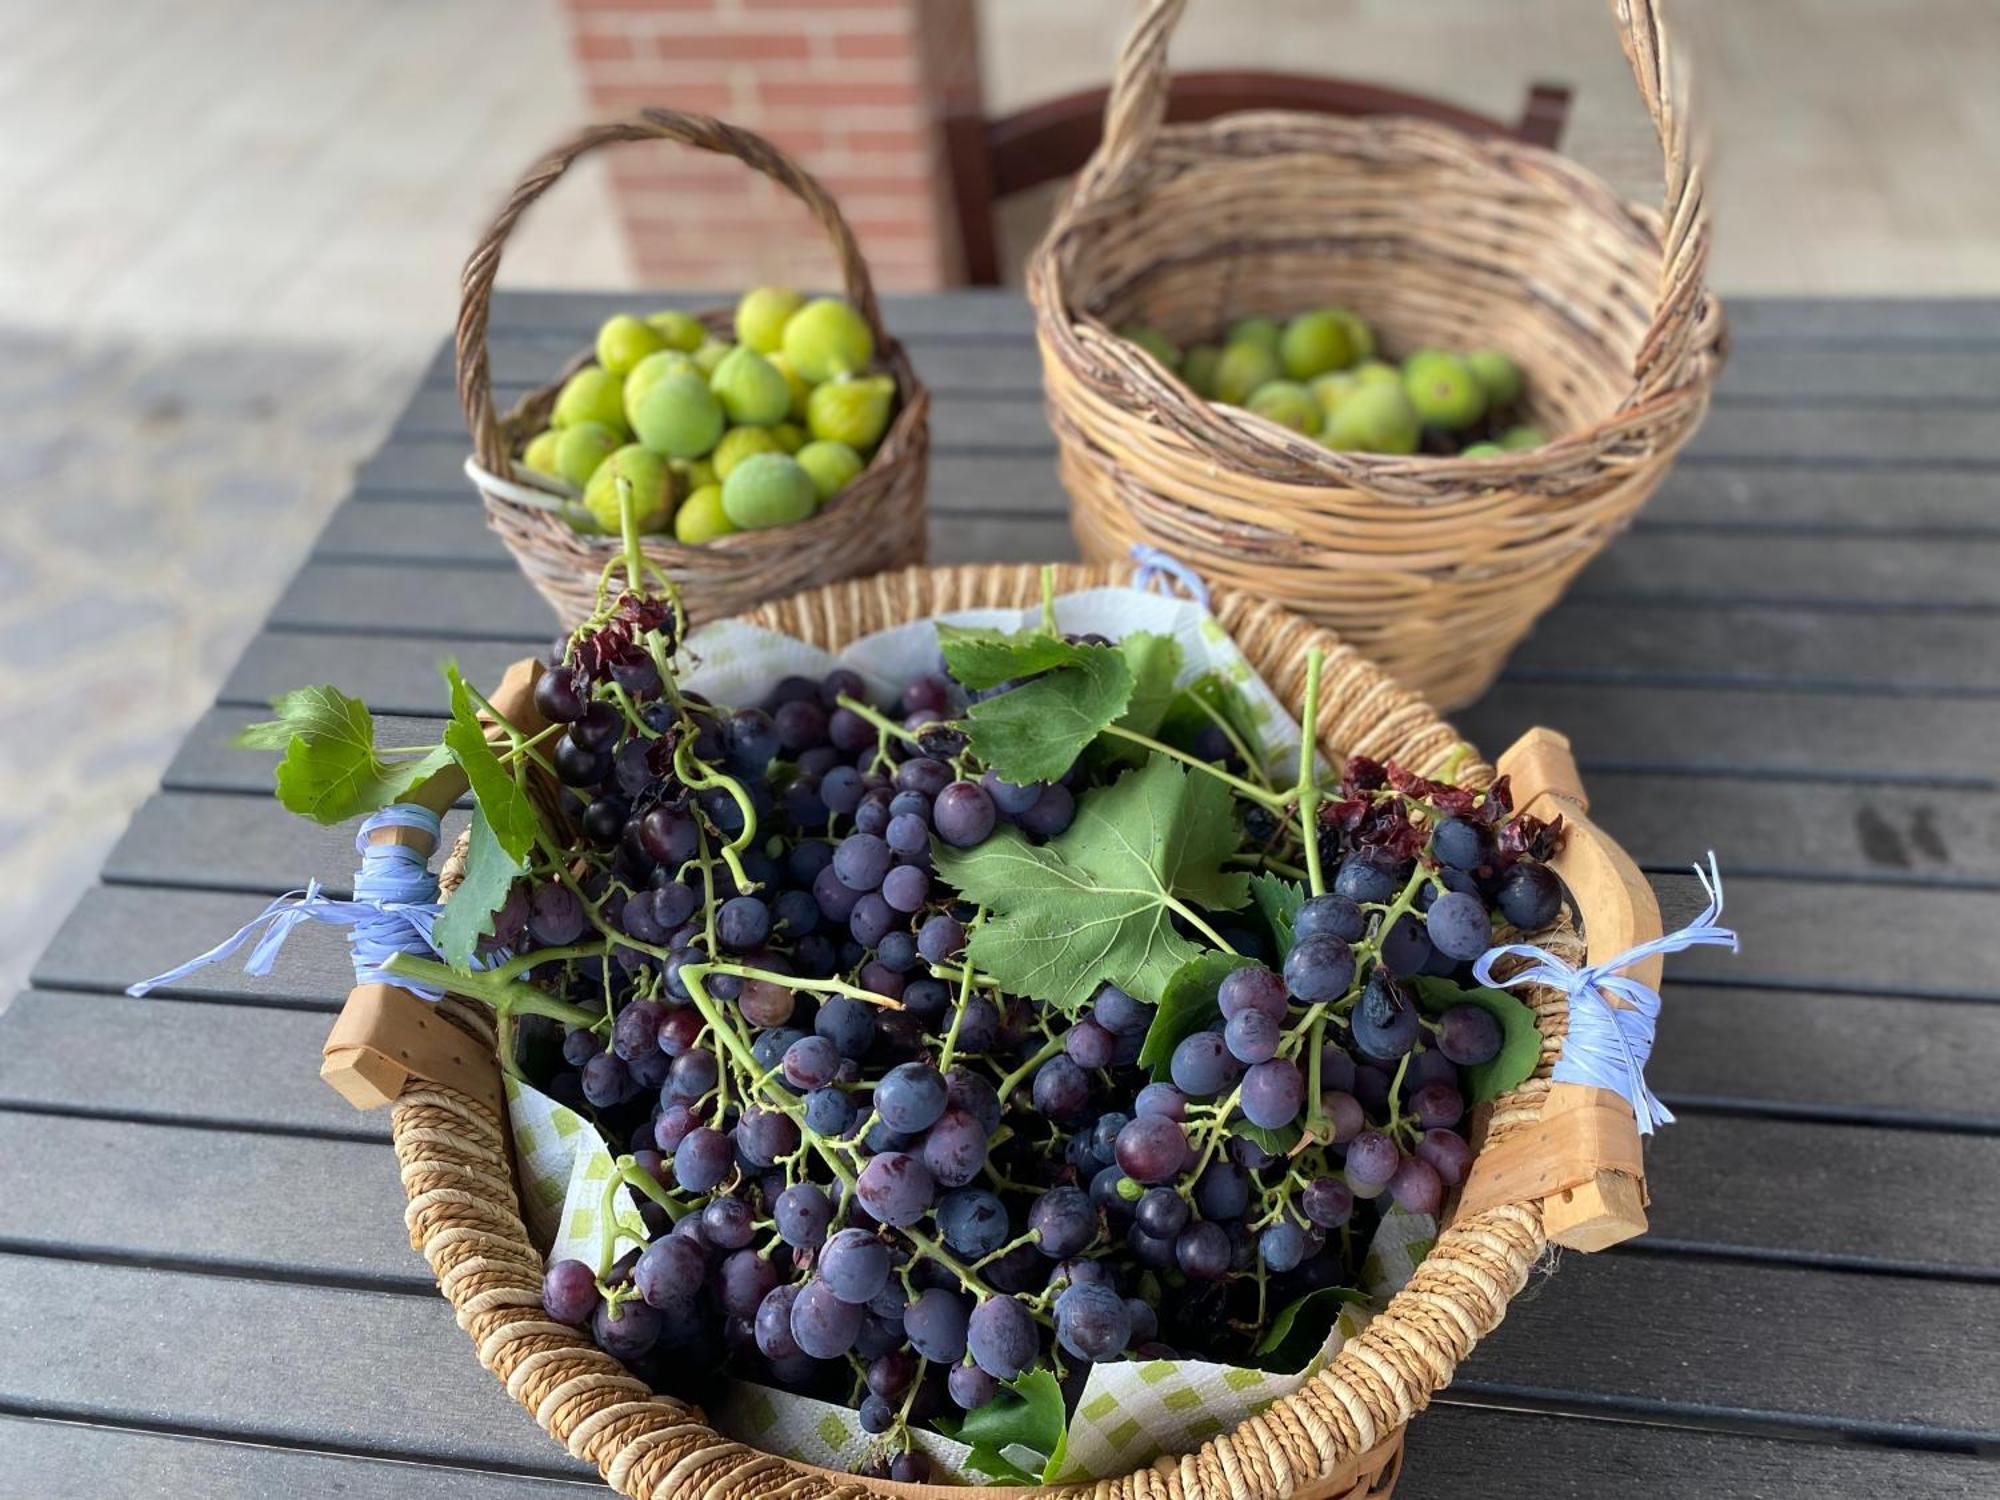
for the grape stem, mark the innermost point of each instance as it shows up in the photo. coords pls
(882, 722)
(945, 1054)
(1277, 802)
(505, 996)
(795, 982)
(1308, 788)
(1043, 1053)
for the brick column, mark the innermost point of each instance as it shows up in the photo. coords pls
(850, 88)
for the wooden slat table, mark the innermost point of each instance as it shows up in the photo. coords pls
(1794, 658)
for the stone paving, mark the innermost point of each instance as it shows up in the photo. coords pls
(157, 501)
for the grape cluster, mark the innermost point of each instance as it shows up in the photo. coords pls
(865, 1171)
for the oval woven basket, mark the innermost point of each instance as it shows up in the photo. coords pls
(876, 522)
(1337, 1438)
(1433, 566)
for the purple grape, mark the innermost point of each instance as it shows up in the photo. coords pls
(911, 1097)
(1282, 1246)
(1530, 896)
(1372, 1158)
(569, 1292)
(871, 919)
(773, 1323)
(1152, 1149)
(1468, 1035)
(555, 915)
(1063, 1221)
(910, 1467)
(1222, 1191)
(1000, 1335)
(1201, 1065)
(861, 860)
(964, 814)
(728, 1223)
(1252, 1037)
(971, 1387)
(1092, 1322)
(629, 1333)
(854, 1265)
(1061, 1089)
(941, 939)
(1254, 988)
(802, 1213)
(1448, 1154)
(671, 1270)
(1161, 1099)
(823, 1326)
(742, 923)
(1384, 1021)
(764, 1137)
(703, 1158)
(1120, 1014)
(607, 1081)
(1328, 1202)
(1319, 969)
(1052, 813)
(972, 1221)
(1437, 1106)
(848, 1023)
(906, 888)
(1009, 798)
(1202, 1251)
(836, 898)
(1344, 1113)
(812, 1062)
(1416, 1187)
(558, 701)
(1161, 1212)
(841, 790)
(968, 1091)
(896, 1188)
(1329, 916)
(829, 1112)
(1368, 878)
(1405, 949)
(669, 837)
(955, 1148)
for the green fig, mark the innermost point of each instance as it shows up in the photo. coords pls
(1378, 372)
(592, 394)
(650, 481)
(679, 416)
(761, 317)
(678, 330)
(1331, 389)
(1261, 331)
(711, 354)
(701, 517)
(1198, 369)
(1289, 404)
(1244, 366)
(1360, 337)
(1443, 389)
(854, 412)
(623, 341)
(738, 444)
(827, 338)
(1153, 342)
(1375, 417)
(833, 466)
(1497, 375)
(1314, 343)
(581, 448)
(646, 374)
(1483, 450)
(1516, 438)
(540, 454)
(768, 489)
(752, 391)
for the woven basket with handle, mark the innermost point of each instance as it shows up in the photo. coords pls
(1557, 1162)
(876, 522)
(1433, 566)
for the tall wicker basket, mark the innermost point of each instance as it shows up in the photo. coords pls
(1567, 1156)
(1435, 567)
(876, 522)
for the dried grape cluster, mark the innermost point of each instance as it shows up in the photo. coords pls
(964, 1041)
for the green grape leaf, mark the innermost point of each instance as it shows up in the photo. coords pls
(1520, 1038)
(510, 816)
(1034, 732)
(1187, 1005)
(1300, 1329)
(1097, 902)
(331, 770)
(468, 915)
(981, 658)
(1278, 1142)
(1154, 661)
(1278, 901)
(1029, 1413)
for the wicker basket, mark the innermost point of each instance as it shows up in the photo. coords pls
(1339, 1437)
(1435, 567)
(876, 522)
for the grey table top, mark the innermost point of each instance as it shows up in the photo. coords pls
(1791, 658)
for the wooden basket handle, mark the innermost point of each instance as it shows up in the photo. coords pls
(475, 391)
(1137, 108)
(385, 1037)
(1581, 1159)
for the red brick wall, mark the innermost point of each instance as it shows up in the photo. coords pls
(848, 87)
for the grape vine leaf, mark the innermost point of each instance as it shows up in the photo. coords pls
(982, 658)
(1278, 900)
(1154, 661)
(1300, 1329)
(1028, 1414)
(331, 770)
(1520, 1038)
(1035, 732)
(1097, 903)
(510, 816)
(1187, 1005)
(468, 915)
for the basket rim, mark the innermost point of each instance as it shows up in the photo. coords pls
(1138, 387)
(1348, 1419)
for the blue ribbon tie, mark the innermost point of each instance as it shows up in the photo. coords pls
(1157, 566)
(394, 908)
(1607, 1046)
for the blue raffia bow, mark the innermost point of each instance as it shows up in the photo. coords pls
(1607, 1046)
(1157, 566)
(394, 908)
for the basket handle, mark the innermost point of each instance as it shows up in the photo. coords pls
(1581, 1159)
(1137, 108)
(475, 390)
